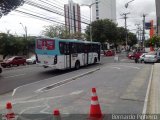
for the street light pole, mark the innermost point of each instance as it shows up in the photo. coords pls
(126, 5)
(90, 24)
(25, 30)
(90, 27)
(26, 37)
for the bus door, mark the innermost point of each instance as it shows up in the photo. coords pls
(67, 55)
(85, 54)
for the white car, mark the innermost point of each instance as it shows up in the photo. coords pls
(150, 58)
(31, 60)
(141, 59)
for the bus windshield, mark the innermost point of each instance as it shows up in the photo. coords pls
(46, 44)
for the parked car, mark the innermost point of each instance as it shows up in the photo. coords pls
(16, 60)
(150, 58)
(110, 53)
(31, 60)
(141, 59)
(131, 55)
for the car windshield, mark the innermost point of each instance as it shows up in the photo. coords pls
(10, 59)
(33, 57)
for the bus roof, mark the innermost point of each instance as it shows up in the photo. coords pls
(69, 40)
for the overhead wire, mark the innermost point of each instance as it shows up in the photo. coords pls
(51, 10)
(59, 7)
(41, 17)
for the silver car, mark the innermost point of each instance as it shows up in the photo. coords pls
(150, 58)
(141, 59)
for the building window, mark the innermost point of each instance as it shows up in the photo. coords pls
(97, 18)
(97, 5)
(97, 13)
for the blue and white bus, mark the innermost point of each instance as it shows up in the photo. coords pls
(66, 53)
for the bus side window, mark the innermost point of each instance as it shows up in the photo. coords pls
(62, 47)
(74, 48)
(85, 48)
(79, 48)
(67, 50)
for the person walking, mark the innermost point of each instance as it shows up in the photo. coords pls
(137, 56)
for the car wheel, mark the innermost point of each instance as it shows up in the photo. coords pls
(77, 65)
(4, 66)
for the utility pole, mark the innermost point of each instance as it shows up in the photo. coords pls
(157, 25)
(125, 17)
(143, 34)
(138, 32)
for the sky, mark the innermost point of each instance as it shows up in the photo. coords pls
(137, 8)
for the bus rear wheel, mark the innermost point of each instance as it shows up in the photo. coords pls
(77, 65)
(95, 60)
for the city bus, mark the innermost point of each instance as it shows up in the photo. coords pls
(66, 53)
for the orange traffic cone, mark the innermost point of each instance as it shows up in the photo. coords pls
(56, 114)
(10, 114)
(95, 110)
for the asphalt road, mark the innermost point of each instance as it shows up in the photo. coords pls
(18, 76)
(121, 88)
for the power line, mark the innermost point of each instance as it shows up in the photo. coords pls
(53, 5)
(40, 17)
(50, 10)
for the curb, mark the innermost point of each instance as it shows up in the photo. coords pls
(65, 81)
(145, 107)
(154, 106)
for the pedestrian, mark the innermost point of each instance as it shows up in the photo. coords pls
(137, 56)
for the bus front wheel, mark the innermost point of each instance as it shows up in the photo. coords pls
(77, 65)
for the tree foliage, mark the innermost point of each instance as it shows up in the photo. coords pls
(107, 31)
(61, 32)
(8, 5)
(102, 31)
(154, 41)
(14, 45)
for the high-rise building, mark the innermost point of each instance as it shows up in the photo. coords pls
(158, 15)
(104, 9)
(72, 17)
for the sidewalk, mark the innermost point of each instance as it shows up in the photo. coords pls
(154, 98)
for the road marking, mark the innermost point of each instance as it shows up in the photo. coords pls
(28, 108)
(41, 99)
(122, 60)
(64, 82)
(147, 93)
(14, 76)
(129, 66)
(45, 105)
(116, 68)
(14, 91)
(76, 92)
